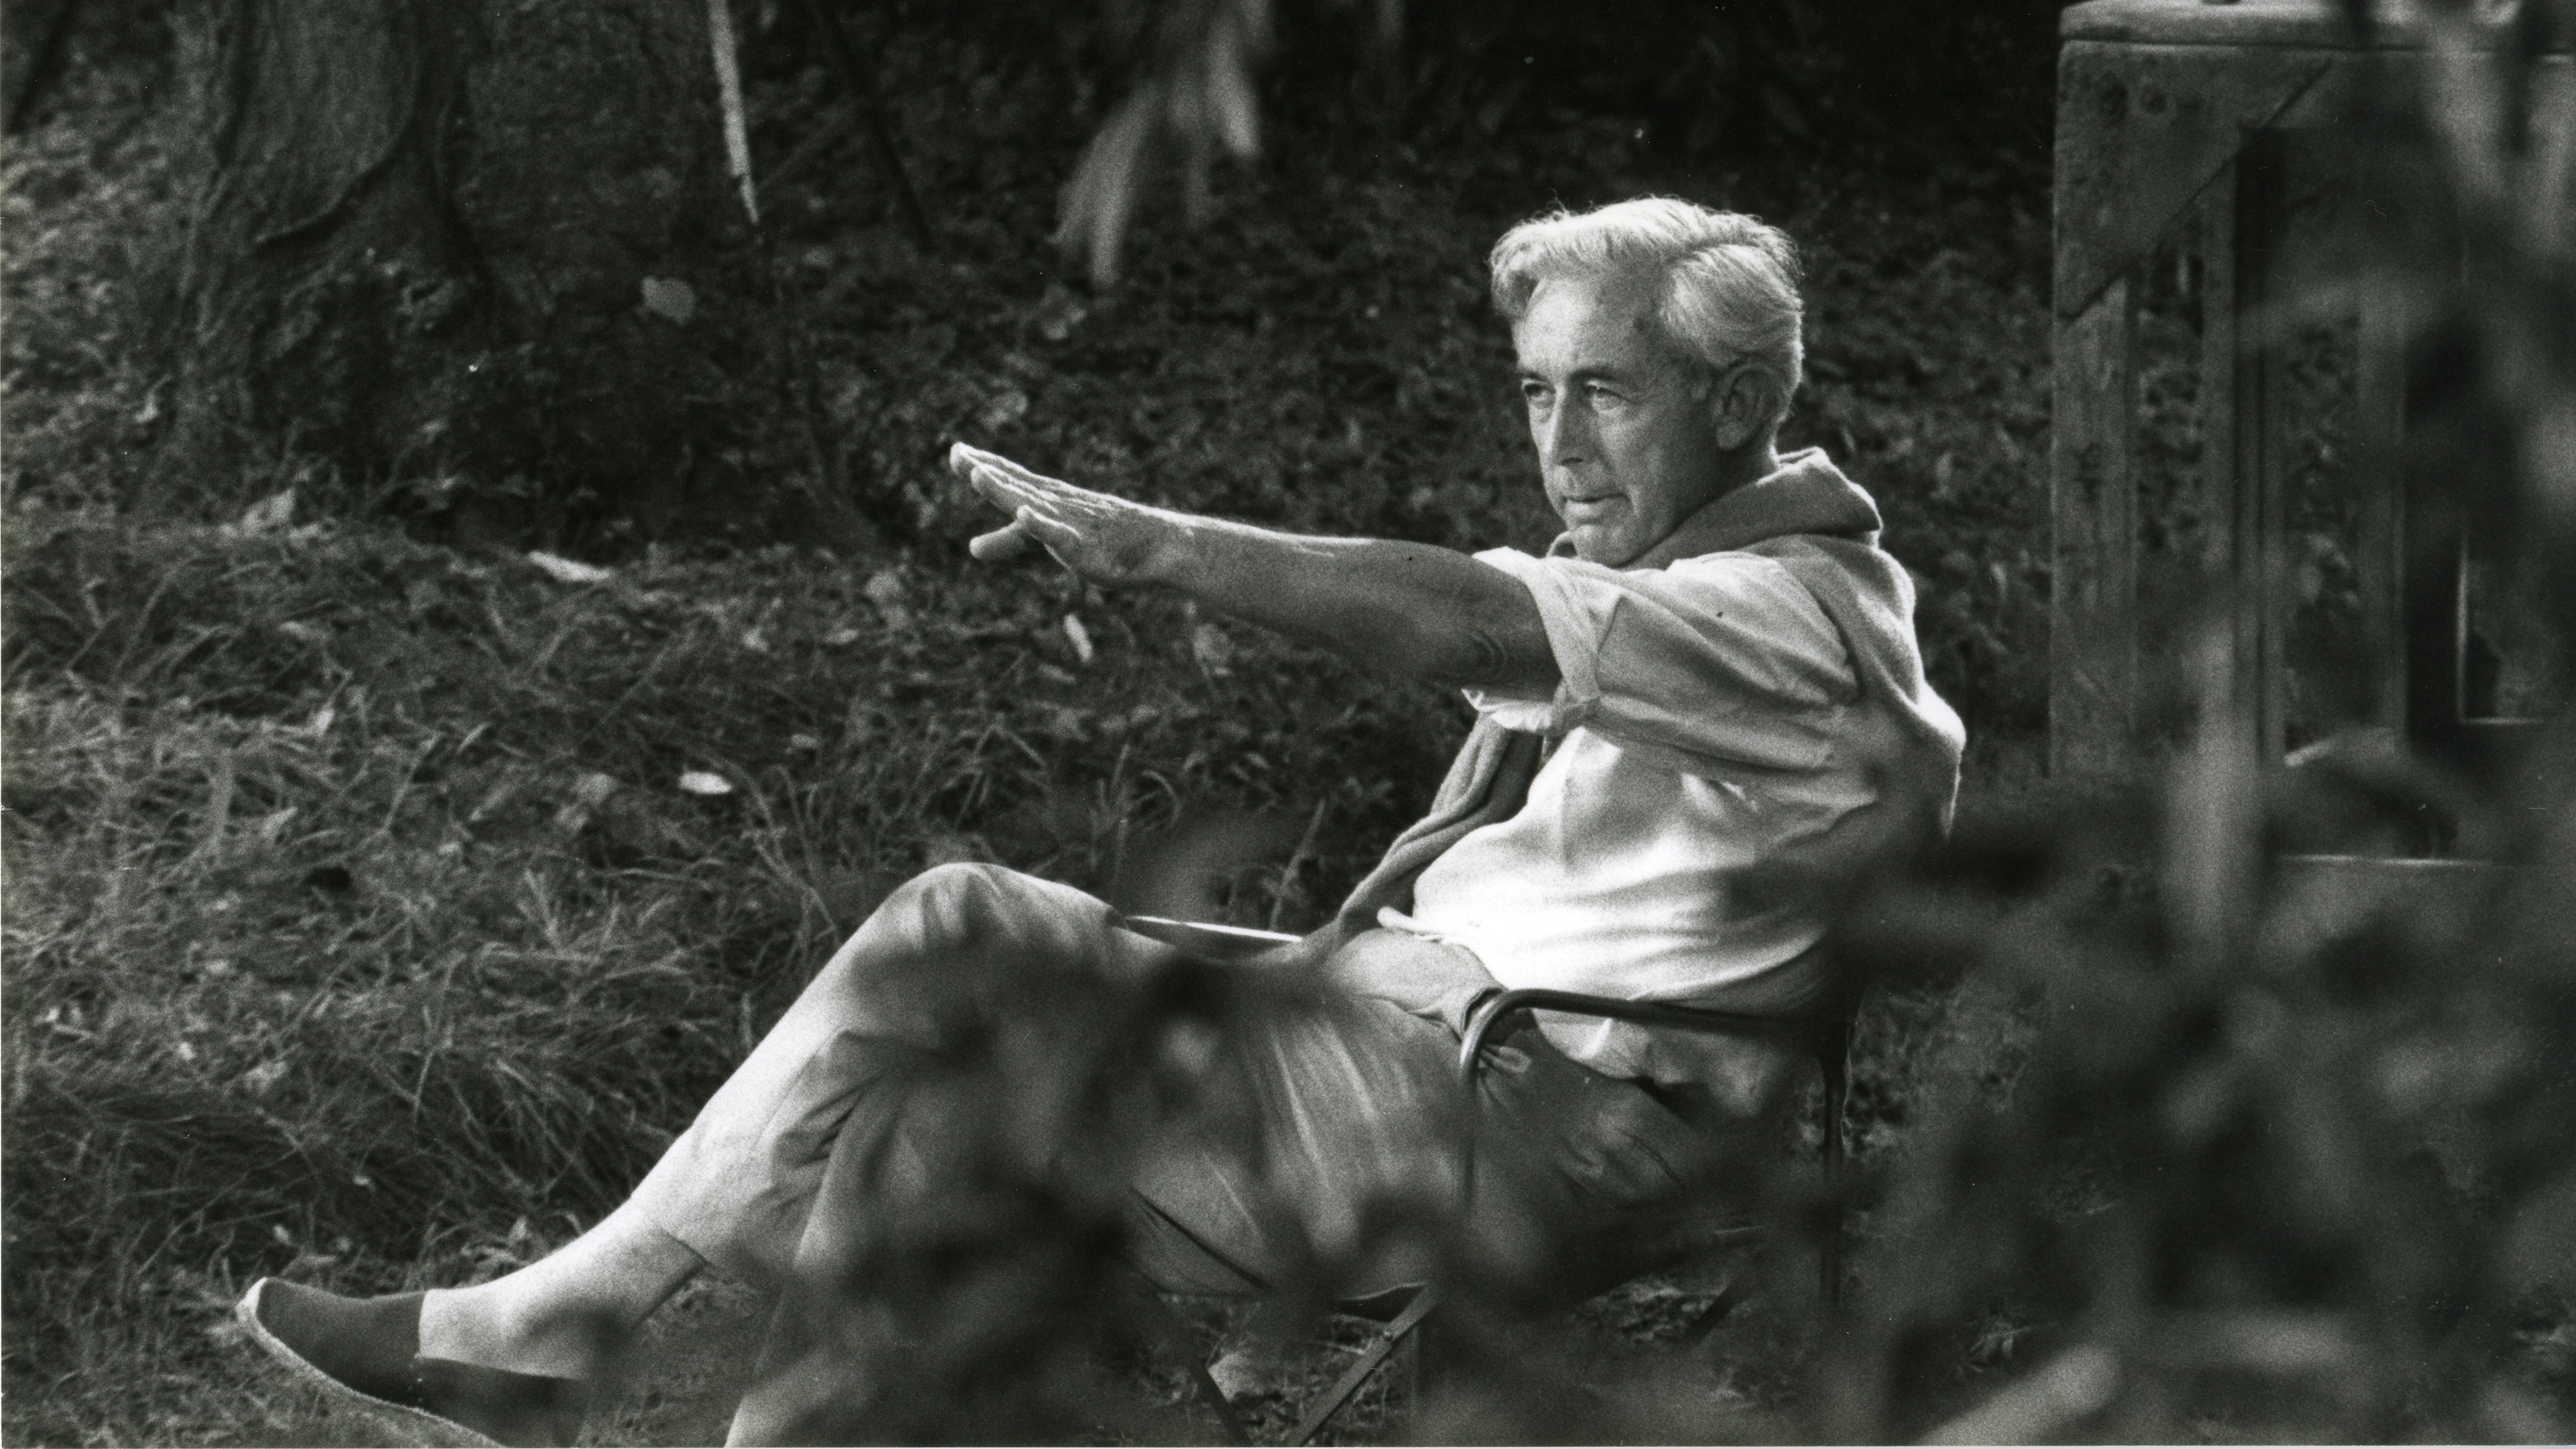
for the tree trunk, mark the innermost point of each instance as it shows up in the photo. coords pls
(489, 250)
(31, 42)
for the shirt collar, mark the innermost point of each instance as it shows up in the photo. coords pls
(1805, 494)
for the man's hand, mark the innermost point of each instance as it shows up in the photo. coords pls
(1106, 540)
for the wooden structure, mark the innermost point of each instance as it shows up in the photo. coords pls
(2178, 117)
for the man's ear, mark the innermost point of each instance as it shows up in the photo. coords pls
(1742, 402)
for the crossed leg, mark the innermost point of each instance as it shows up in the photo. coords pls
(1356, 1096)
(734, 1191)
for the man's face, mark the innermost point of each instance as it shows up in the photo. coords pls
(1626, 434)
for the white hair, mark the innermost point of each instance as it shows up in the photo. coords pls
(1730, 283)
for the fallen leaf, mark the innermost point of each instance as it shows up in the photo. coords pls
(1059, 312)
(844, 635)
(1239, 1374)
(1212, 648)
(269, 514)
(670, 297)
(1079, 638)
(588, 793)
(704, 782)
(885, 590)
(568, 571)
(1006, 407)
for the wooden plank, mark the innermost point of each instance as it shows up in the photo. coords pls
(2263, 296)
(2379, 421)
(2242, 460)
(2220, 342)
(2093, 506)
(2244, 467)
(2141, 129)
(2255, 24)
(2317, 899)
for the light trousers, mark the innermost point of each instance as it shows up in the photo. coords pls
(1342, 1109)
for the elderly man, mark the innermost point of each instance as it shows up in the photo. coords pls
(1706, 688)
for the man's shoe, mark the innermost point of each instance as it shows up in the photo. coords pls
(365, 1352)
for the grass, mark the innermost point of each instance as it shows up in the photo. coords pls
(358, 924)
(346, 938)
(339, 915)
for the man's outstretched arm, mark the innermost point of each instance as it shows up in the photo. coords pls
(1411, 610)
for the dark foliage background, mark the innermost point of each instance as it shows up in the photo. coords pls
(361, 924)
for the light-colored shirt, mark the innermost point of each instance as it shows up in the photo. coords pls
(1702, 721)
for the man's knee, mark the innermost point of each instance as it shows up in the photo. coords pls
(955, 906)
(955, 934)
(965, 908)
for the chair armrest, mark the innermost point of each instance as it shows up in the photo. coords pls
(1817, 1036)
(1205, 940)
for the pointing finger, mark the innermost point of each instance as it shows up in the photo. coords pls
(1019, 472)
(998, 488)
(963, 457)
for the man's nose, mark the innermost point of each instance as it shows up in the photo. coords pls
(1564, 434)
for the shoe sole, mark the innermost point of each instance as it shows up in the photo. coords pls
(419, 1426)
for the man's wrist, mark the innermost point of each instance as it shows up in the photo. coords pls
(1171, 552)
(1208, 559)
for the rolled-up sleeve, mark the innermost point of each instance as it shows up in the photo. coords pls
(1720, 661)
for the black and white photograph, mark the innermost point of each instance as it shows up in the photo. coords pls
(1278, 722)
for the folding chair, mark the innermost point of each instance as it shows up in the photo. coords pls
(1824, 1035)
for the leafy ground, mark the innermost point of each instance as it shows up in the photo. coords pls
(359, 924)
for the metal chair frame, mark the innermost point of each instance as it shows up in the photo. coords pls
(1823, 1036)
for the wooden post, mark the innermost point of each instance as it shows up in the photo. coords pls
(2262, 439)
(2093, 505)
(2160, 102)
(2241, 466)
(2378, 467)
(2221, 342)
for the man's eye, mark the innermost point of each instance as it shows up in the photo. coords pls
(1600, 396)
(1535, 394)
